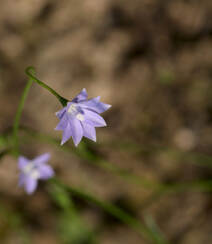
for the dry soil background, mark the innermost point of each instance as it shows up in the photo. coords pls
(150, 59)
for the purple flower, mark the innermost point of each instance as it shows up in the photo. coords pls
(80, 117)
(33, 170)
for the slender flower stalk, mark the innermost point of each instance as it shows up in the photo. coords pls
(30, 69)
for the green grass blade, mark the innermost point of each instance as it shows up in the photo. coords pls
(111, 209)
(155, 230)
(196, 185)
(18, 115)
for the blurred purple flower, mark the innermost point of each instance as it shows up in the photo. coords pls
(33, 170)
(80, 117)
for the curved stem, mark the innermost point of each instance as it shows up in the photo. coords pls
(109, 208)
(62, 100)
(18, 116)
(159, 187)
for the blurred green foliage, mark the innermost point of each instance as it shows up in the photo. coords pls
(72, 228)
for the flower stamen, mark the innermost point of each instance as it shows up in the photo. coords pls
(72, 109)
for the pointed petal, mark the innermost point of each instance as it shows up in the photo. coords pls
(63, 123)
(76, 130)
(67, 133)
(46, 172)
(60, 113)
(22, 162)
(42, 159)
(95, 105)
(93, 118)
(21, 180)
(82, 96)
(30, 185)
(89, 131)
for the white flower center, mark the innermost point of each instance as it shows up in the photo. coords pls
(80, 117)
(31, 170)
(72, 109)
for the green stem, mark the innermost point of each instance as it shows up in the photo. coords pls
(18, 116)
(162, 188)
(62, 100)
(110, 209)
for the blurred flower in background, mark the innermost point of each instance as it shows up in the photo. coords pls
(33, 170)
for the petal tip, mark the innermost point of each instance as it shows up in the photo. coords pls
(76, 144)
(107, 106)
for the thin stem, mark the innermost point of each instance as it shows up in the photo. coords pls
(162, 188)
(62, 100)
(18, 116)
(110, 208)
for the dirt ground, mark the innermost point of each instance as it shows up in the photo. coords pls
(150, 59)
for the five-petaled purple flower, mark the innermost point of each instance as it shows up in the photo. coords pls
(33, 170)
(80, 117)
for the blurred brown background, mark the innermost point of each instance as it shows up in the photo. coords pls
(150, 59)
